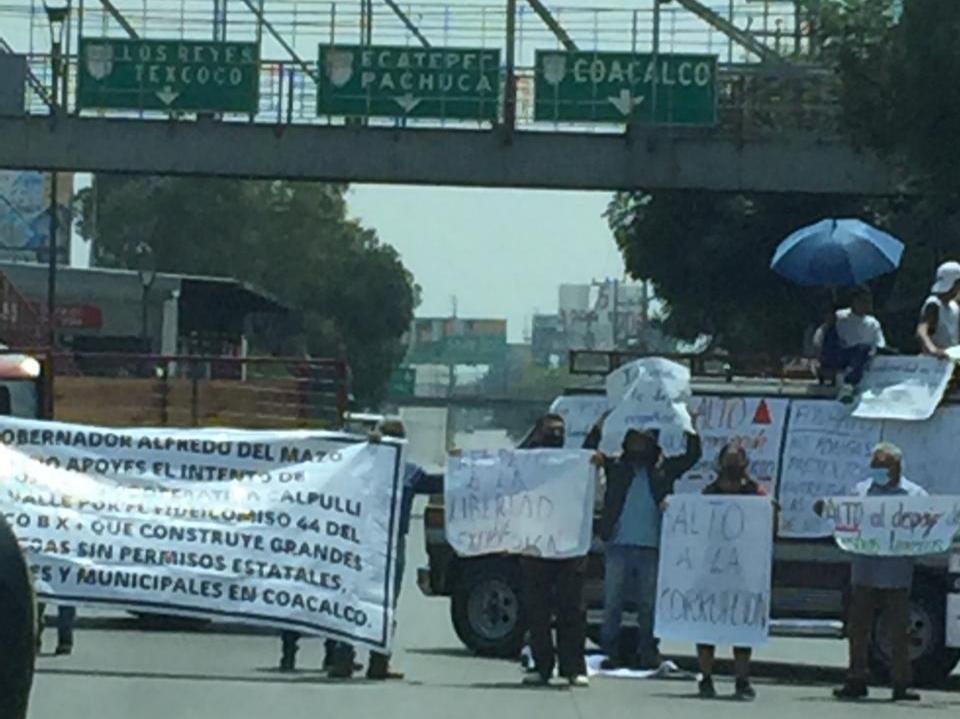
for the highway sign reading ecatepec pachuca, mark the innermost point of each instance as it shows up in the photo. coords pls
(388, 81)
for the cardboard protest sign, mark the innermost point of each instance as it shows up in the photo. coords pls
(893, 526)
(826, 453)
(903, 388)
(529, 502)
(580, 413)
(656, 398)
(310, 547)
(754, 423)
(714, 581)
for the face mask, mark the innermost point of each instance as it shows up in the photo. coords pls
(552, 441)
(879, 475)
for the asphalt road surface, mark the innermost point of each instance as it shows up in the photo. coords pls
(125, 674)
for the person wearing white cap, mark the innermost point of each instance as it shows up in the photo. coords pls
(939, 327)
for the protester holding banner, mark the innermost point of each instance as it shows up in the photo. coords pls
(559, 580)
(732, 480)
(880, 584)
(636, 484)
(939, 327)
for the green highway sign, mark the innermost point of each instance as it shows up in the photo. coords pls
(625, 87)
(175, 75)
(387, 81)
(403, 382)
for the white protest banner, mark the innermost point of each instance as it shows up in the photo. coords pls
(530, 502)
(655, 399)
(893, 526)
(160, 453)
(754, 423)
(580, 413)
(929, 449)
(309, 548)
(713, 585)
(904, 388)
(826, 453)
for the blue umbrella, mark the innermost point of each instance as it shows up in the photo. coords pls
(838, 253)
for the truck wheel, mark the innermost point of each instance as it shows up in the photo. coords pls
(932, 661)
(487, 610)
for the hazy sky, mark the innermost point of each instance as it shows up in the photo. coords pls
(502, 253)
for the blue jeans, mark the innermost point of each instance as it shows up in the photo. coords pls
(630, 575)
(852, 361)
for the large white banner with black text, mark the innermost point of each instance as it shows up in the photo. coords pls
(306, 546)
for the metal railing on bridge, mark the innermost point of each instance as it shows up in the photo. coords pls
(751, 97)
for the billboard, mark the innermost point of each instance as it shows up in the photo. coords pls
(25, 215)
(455, 341)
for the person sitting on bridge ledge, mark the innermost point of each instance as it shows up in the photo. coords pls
(849, 339)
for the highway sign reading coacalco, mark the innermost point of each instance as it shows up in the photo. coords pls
(182, 75)
(383, 81)
(625, 87)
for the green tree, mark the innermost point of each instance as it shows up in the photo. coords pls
(707, 254)
(293, 239)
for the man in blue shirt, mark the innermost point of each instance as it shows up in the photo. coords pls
(637, 483)
(880, 584)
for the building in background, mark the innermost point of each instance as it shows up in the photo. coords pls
(107, 311)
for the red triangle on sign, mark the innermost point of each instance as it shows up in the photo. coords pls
(762, 415)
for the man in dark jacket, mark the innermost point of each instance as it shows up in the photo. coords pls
(17, 631)
(636, 484)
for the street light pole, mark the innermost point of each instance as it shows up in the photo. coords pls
(147, 272)
(57, 13)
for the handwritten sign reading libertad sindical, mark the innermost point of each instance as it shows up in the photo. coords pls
(531, 502)
(714, 580)
(894, 526)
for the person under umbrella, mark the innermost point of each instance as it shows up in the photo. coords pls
(850, 338)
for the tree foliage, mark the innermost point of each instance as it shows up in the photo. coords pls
(292, 239)
(708, 254)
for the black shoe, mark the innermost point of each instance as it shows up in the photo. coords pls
(851, 690)
(744, 691)
(287, 663)
(705, 688)
(64, 650)
(341, 671)
(646, 663)
(902, 694)
(610, 664)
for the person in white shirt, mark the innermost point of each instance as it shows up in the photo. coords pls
(939, 327)
(849, 339)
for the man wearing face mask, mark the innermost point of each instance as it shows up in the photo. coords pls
(637, 483)
(880, 584)
(559, 580)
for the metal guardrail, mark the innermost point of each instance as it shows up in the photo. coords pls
(753, 98)
(197, 390)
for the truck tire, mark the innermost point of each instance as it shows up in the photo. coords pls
(932, 661)
(18, 639)
(487, 608)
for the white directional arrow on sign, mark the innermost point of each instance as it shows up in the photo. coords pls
(407, 102)
(167, 96)
(625, 102)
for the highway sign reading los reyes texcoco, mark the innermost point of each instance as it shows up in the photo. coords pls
(625, 87)
(386, 81)
(174, 75)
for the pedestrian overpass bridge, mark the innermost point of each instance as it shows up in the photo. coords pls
(774, 116)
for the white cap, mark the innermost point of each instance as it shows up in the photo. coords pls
(948, 274)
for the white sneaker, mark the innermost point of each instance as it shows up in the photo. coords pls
(581, 680)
